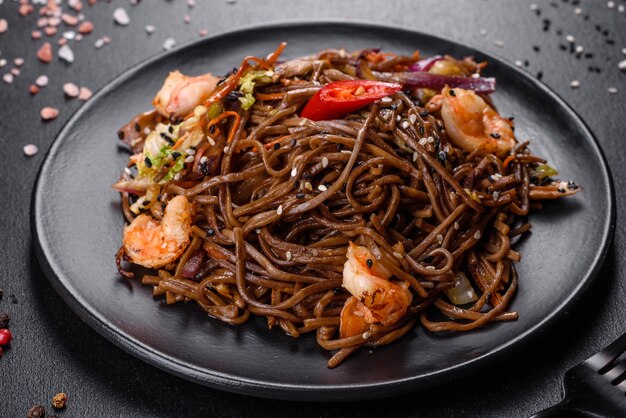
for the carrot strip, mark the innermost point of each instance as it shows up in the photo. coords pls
(270, 144)
(233, 128)
(507, 161)
(269, 96)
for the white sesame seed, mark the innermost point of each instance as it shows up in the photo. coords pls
(483, 32)
(279, 210)
(127, 170)
(423, 141)
(624, 51)
(204, 159)
(190, 151)
(146, 130)
(456, 226)
(121, 17)
(30, 150)
(430, 267)
(258, 230)
(308, 186)
(398, 118)
(579, 49)
(570, 39)
(414, 156)
(578, 11)
(288, 255)
(499, 44)
(519, 63)
(169, 44)
(322, 188)
(99, 43)
(385, 101)
(439, 238)
(164, 245)
(189, 159)
(621, 8)
(610, 4)
(324, 162)
(366, 335)
(211, 140)
(413, 118)
(294, 172)
(574, 84)
(612, 90)
(3, 62)
(226, 149)
(269, 73)
(397, 254)
(431, 139)
(302, 122)
(177, 176)
(150, 29)
(534, 7)
(477, 235)
(405, 124)
(496, 195)
(622, 65)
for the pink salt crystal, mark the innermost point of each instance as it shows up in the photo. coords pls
(69, 19)
(50, 31)
(61, 41)
(71, 89)
(49, 113)
(18, 61)
(84, 94)
(4, 25)
(30, 150)
(33, 89)
(45, 53)
(85, 27)
(54, 21)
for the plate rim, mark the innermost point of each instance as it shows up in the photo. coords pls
(303, 392)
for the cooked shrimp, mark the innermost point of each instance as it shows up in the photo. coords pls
(180, 93)
(377, 300)
(472, 124)
(154, 244)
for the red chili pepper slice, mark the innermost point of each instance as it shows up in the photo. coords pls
(339, 98)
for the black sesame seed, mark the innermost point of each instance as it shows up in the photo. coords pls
(212, 129)
(324, 132)
(443, 156)
(560, 190)
(146, 202)
(170, 129)
(420, 128)
(526, 63)
(163, 206)
(299, 195)
(424, 113)
(148, 162)
(495, 135)
(540, 75)
(536, 48)
(175, 155)
(370, 263)
(344, 187)
(209, 232)
(306, 175)
(276, 146)
(137, 127)
(452, 93)
(120, 134)
(563, 47)
(293, 142)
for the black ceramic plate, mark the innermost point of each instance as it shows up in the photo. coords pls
(78, 228)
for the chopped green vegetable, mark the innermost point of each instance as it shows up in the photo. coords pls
(544, 171)
(247, 84)
(175, 169)
(215, 110)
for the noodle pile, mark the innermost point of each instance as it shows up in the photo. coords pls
(285, 196)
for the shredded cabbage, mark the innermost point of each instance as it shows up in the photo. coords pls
(246, 86)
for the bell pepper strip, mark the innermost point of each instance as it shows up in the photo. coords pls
(339, 98)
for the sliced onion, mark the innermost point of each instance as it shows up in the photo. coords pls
(462, 292)
(193, 265)
(438, 82)
(425, 64)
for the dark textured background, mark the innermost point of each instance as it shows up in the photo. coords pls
(53, 351)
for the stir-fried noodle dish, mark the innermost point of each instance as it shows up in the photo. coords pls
(350, 194)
